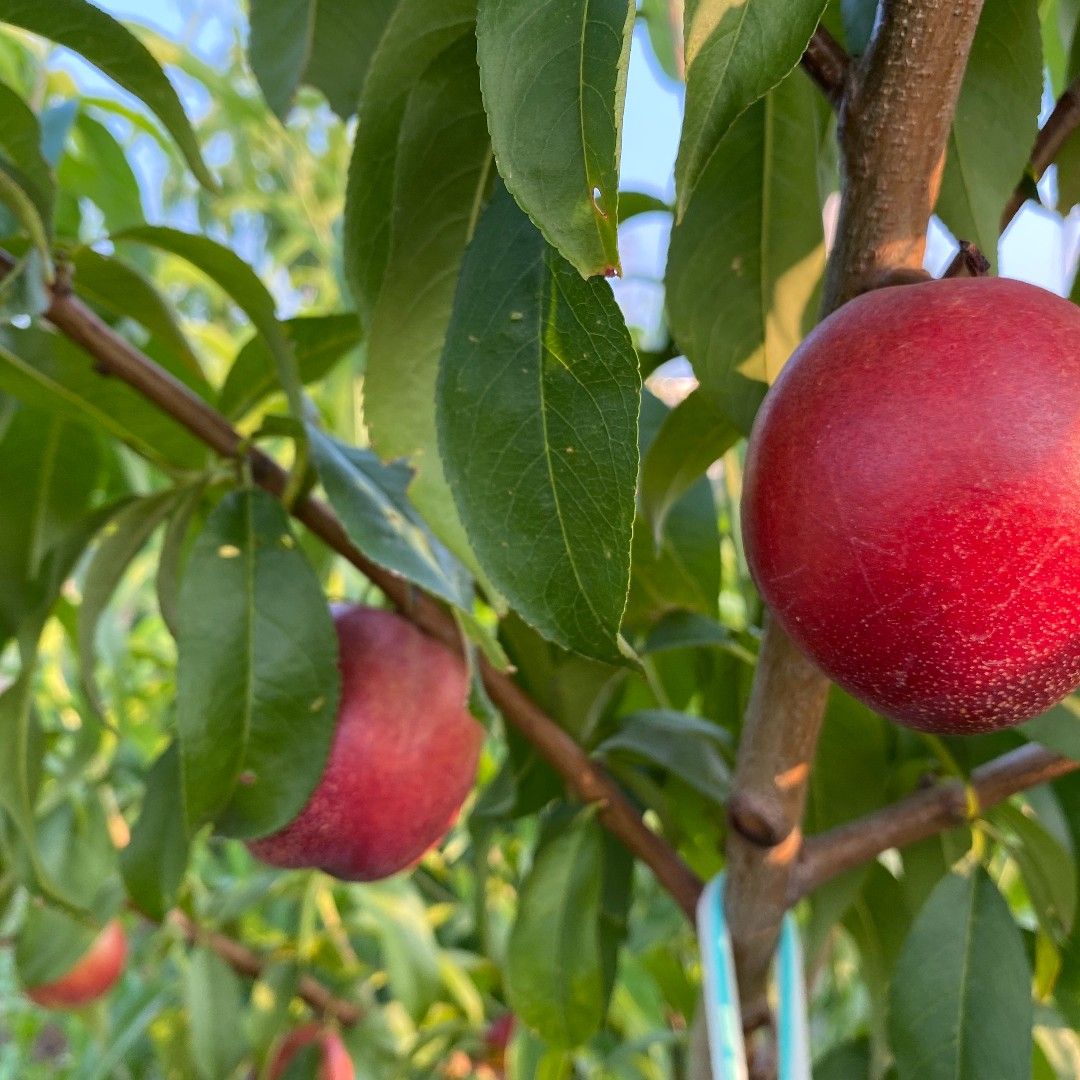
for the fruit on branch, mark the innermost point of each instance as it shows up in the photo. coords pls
(334, 1060)
(497, 1039)
(403, 757)
(92, 977)
(911, 508)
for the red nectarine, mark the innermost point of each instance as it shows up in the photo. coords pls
(91, 978)
(911, 509)
(335, 1063)
(402, 760)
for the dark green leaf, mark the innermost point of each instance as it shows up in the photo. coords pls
(859, 17)
(417, 33)
(634, 203)
(1058, 728)
(736, 51)
(258, 682)
(75, 850)
(538, 404)
(995, 124)
(554, 77)
(174, 549)
(686, 746)
(371, 501)
(20, 146)
(660, 18)
(97, 168)
(327, 44)
(214, 999)
(122, 540)
(747, 257)
(435, 211)
(50, 943)
(45, 370)
(318, 341)
(228, 271)
(118, 53)
(960, 1005)
(555, 978)
(693, 435)
(154, 861)
(848, 1061)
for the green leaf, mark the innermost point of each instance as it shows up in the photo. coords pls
(113, 49)
(96, 166)
(75, 851)
(686, 746)
(50, 943)
(45, 370)
(693, 435)
(155, 859)
(214, 999)
(554, 78)
(123, 539)
(634, 203)
(327, 44)
(1068, 157)
(435, 210)
(960, 1004)
(746, 259)
(995, 124)
(255, 712)
(1057, 728)
(20, 147)
(417, 33)
(242, 285)
(848, 1061)
(859, 17)
(538, 404)
(371, 501)
(174, 549)
(554, 973)
(119, 288)
(736, 51)
(665, 37)
(21, 755)
(318, 342)
(1048, 869)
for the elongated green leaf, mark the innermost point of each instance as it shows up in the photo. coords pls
(121, 289)
(154, 862)
(417, 33)
(736, 51)
(995, 124)
(693, 435)
(371, 500)
(1068, 157)
(50, 943)
(22, 206)
(46, 371)
(960, 1005)
(747, 258)
(21, 751)
(123, 539)
(685, 746)
(1058, 728)
(227, 270)
(327, 44)
(1048, 869)
(634, 203)
(174, 549)
(113, 49)
(318, 341)
(554, 77)
(20, 145)
(435, 211)
(214, 999)
(659, 17)
(554, 972)
(538, 404)
(258, 683)
(75, 850)
(96, 166)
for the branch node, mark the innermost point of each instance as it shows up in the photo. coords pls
(760, 822)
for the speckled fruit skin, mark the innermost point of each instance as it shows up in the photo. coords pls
(911, 508)
(403, 757)
(91, 978)
(336, 1063)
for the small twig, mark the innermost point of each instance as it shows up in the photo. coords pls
(1061, 123)
(584, 777)
(923, 814)
(968, 262)
(252, 964)
(827, 63)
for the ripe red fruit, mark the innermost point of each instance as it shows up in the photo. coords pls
(911, 509)
(335, 1062)
(91, 978)
(403, 757)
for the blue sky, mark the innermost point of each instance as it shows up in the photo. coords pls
(1038, 248)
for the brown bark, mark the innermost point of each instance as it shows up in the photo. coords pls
(894, 124)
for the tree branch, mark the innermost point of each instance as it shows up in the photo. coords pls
(922, 814)
(894, 123)
(115, 356)
(1060, 124)
(249, 963)
(826, 62)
